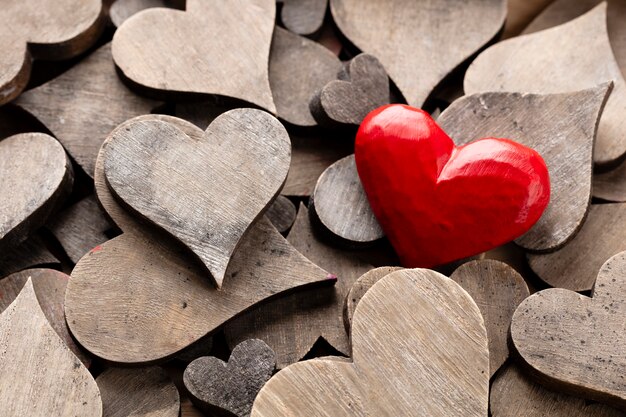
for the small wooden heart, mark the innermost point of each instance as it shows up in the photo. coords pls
(214, 47)
(362, 87)
(36, 177)
(575, 343)
(419, 348)
(229, 389)
(205, 193)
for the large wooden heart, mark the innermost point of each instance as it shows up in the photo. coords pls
(419, 348)
(575, 343)
(205, 193)
(214, 47)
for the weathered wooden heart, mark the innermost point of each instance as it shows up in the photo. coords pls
(36, 177)
(419, 348)
(363, 86)
(304, 17)
(222, 388)
(536, 63)
(43, 29)
(437, 202)
(39, 375)
(449, 30)
(214, 47)
(205, 193)
(575, 343)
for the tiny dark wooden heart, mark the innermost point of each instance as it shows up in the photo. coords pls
(363, 86)
(229, 389)
(205, 192)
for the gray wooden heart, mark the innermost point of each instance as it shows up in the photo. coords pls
(205, 193)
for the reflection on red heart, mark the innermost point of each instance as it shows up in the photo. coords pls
(437, 202)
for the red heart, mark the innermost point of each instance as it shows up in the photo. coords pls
(438, 202)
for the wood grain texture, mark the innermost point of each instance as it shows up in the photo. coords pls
(208, 192)
(340, 205)
(39, 375)
(121, 10)
(422, 54)
(363, 86)
(151, 317)
(310, 156)
(304, 17)
(419, 348)
(292, 324)
(575, 265)
(359, 288)
(282, 213)
(570, 57)
(83, 105)
(140, 392)
(497, 289)
(214, 47)
(49, 286)
(229, 389)
(29, 254)
(42, 29)
(575, 343)
(513, 394)
(298, 68)
(562, 11)
(36, 177)
(80, 227)
(561, 127)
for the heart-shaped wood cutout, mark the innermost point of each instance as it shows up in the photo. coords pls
(423, 54)
(230, 388)
(561, 127)
(152, 317)
(214, 47)
(536, 63)
(71, 106)
(43, 29)
(416, 336)
(230, 176)
(575, 343)
(30, 253)
(304, 17)
(36, 177)
(362, 87)
(39, 375)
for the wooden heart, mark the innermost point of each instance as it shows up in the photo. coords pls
(575, 265)
(423, 54)
(362, 87)
(513, 394)
(419, 348)
(39, 375)
(138, 392)
(121, 10)
(575, 343)
(229, 177)
(36, 177)
(43, 29)
(304, 17)
(561, 127)
(49, 286)
(71, 106)
(31, 253)
(230, 388)
(544, 63)
(152, 317)
(214, 47)
(298, 68)
(497, 289)
(292, 324)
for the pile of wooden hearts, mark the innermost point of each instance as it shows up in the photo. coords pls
(167, 250)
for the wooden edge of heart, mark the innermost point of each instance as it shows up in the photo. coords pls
(526, 360)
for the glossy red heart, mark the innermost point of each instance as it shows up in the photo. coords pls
(438, 202)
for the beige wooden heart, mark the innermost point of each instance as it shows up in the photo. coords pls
(214, 47)
(205, 193)
(419, 348)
